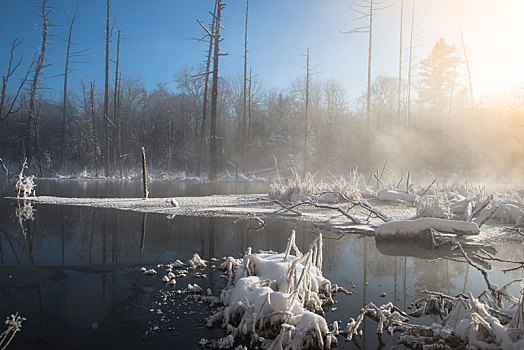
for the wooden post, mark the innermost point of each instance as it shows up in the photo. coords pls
(144, 173)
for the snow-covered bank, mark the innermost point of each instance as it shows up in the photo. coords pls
(248, 206)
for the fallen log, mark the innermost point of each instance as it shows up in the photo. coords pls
(414, 227)
(394, 196)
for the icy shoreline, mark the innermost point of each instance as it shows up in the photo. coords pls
(258, 205)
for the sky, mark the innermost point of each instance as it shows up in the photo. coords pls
(158, 41)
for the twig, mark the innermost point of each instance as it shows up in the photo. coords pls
(427, 188)
(479, 208)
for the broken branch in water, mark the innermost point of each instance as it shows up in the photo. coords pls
(487, 256)
(497, 293)
(323, 206)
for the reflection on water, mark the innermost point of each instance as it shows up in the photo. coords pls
(118, 189)
(73, 272)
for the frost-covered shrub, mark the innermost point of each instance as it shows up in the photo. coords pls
(276, 300)
(434, 207)
(305, 188)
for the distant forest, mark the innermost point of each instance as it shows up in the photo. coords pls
(429, 122)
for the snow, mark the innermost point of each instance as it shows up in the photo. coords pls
(413, 227)
(277, 299)
(394, 196)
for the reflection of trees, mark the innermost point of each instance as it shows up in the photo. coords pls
(437, 276)
(24, 211)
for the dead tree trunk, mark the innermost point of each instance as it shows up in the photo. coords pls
(29, 144)
(244, 102)
(144, 173)
(469, 71)
(64, 102)
(5, 80)
(410, 63)
(206, 91)
(214, 97)
(93, 125)
(106, 94)
(117, 150)
(399, 104)
(4, 113)
(248, 117)
(307, 108)
(368, 95)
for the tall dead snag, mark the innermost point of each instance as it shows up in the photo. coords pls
(106, 92)
(5, 81)
(244, 101)
(410, 64)
(64, 102)
(399, 97)
(144, 173)
(365, 9)
(469, 71)
(307, 108)
(213, 151)
(249, 96)
(117, 150)
(206, 92)
(31, 142)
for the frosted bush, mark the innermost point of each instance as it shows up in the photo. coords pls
(433, 206)
(276, 300)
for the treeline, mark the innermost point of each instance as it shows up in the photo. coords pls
(432, 125)
(168, 123)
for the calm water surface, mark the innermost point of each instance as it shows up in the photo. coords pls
(73, 272)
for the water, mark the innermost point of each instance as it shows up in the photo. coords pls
(73, 272)
(117, 189)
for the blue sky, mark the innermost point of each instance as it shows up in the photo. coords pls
(279, 32)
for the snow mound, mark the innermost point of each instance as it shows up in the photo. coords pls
(417, 226)
(277, 300)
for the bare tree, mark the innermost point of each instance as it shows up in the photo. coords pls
(32, 121)
(106, 92)
(469, 71)
(5, 81)
(365, 9)
(213, 151)
(244, 101)
(410, 63)
(305, 118)
(64, 101)
(399, 104)
(206, 92)
(118, 146)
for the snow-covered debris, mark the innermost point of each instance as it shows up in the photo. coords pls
(174, 202)
(178, 263)
(508, 213)
(416, 226)
(394, 196)
(484, 331)
(196, 261)
(434, 207)
(276, 299)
